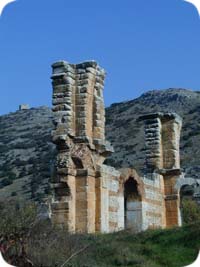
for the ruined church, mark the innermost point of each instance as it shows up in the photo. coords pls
(89, 196)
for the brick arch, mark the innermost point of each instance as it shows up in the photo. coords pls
(127, 173)
(184, 182)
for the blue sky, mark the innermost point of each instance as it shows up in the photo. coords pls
(142, 44)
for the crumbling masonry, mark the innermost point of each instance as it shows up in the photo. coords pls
(90, 196)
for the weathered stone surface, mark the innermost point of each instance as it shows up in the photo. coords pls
(90, 196)
(80, 138)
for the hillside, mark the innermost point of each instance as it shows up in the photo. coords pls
(27, 154)
(50, 246)
(127, 134)
(176, 247)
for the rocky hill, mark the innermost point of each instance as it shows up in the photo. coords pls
(127, 134)
(27, 154)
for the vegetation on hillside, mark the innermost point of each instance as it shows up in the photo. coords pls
(27, 153)
(190, 211)
(26, 160)
(26, 241)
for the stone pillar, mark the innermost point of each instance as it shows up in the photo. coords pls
(85, 201)
(171, 128)
(153, 142)
(85, 99)
(63, 206)
(162, 137)
(79, 119)
(63, 182)
(172, 198)
(78, 99)
(99, 110)
(64, 80)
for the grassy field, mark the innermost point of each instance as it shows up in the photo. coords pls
(25, 239)
(153, 248)
(166, 248)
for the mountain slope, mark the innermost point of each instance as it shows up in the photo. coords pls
(127, 134)
(27, 154)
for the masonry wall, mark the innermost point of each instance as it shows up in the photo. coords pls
(153, 143)
(172, 199)
(112, 209)
(85, 204)
(146, 207)
(153, 206)
(78, 99)
(85, 190)
(90, 196)
(162, 134)
(171, 129)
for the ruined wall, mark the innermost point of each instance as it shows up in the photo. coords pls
(162, 138)
(162, 134)
(171, 129)
(153, 206)
(112, 205)
(146, 210)
(172, 198)
(153, 142)
(78, 99)
(90, 196)
(85, 191)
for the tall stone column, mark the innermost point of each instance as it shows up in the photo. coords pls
(64, 81)
(171, 124)
(162, 137)
(85, 201)
(99, 110)
(171, 129)
(63, 181)
(153, 142)
(79, 118)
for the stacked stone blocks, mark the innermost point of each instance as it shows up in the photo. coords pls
(162, 134)
(90, 196)
(79, 118)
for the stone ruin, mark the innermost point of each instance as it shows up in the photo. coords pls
(24, 107)
(90, 196)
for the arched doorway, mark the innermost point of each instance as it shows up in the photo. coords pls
(132, 205)
(187, 192)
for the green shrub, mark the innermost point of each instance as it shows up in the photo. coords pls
(190, 211)
(188, 144)
(16, 222)
(6, 182)
(12, 176)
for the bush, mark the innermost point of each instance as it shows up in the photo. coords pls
(6, 182)
(188, 144)
(16, 223)
(50, 246)
(190, 211)
(12, 176)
